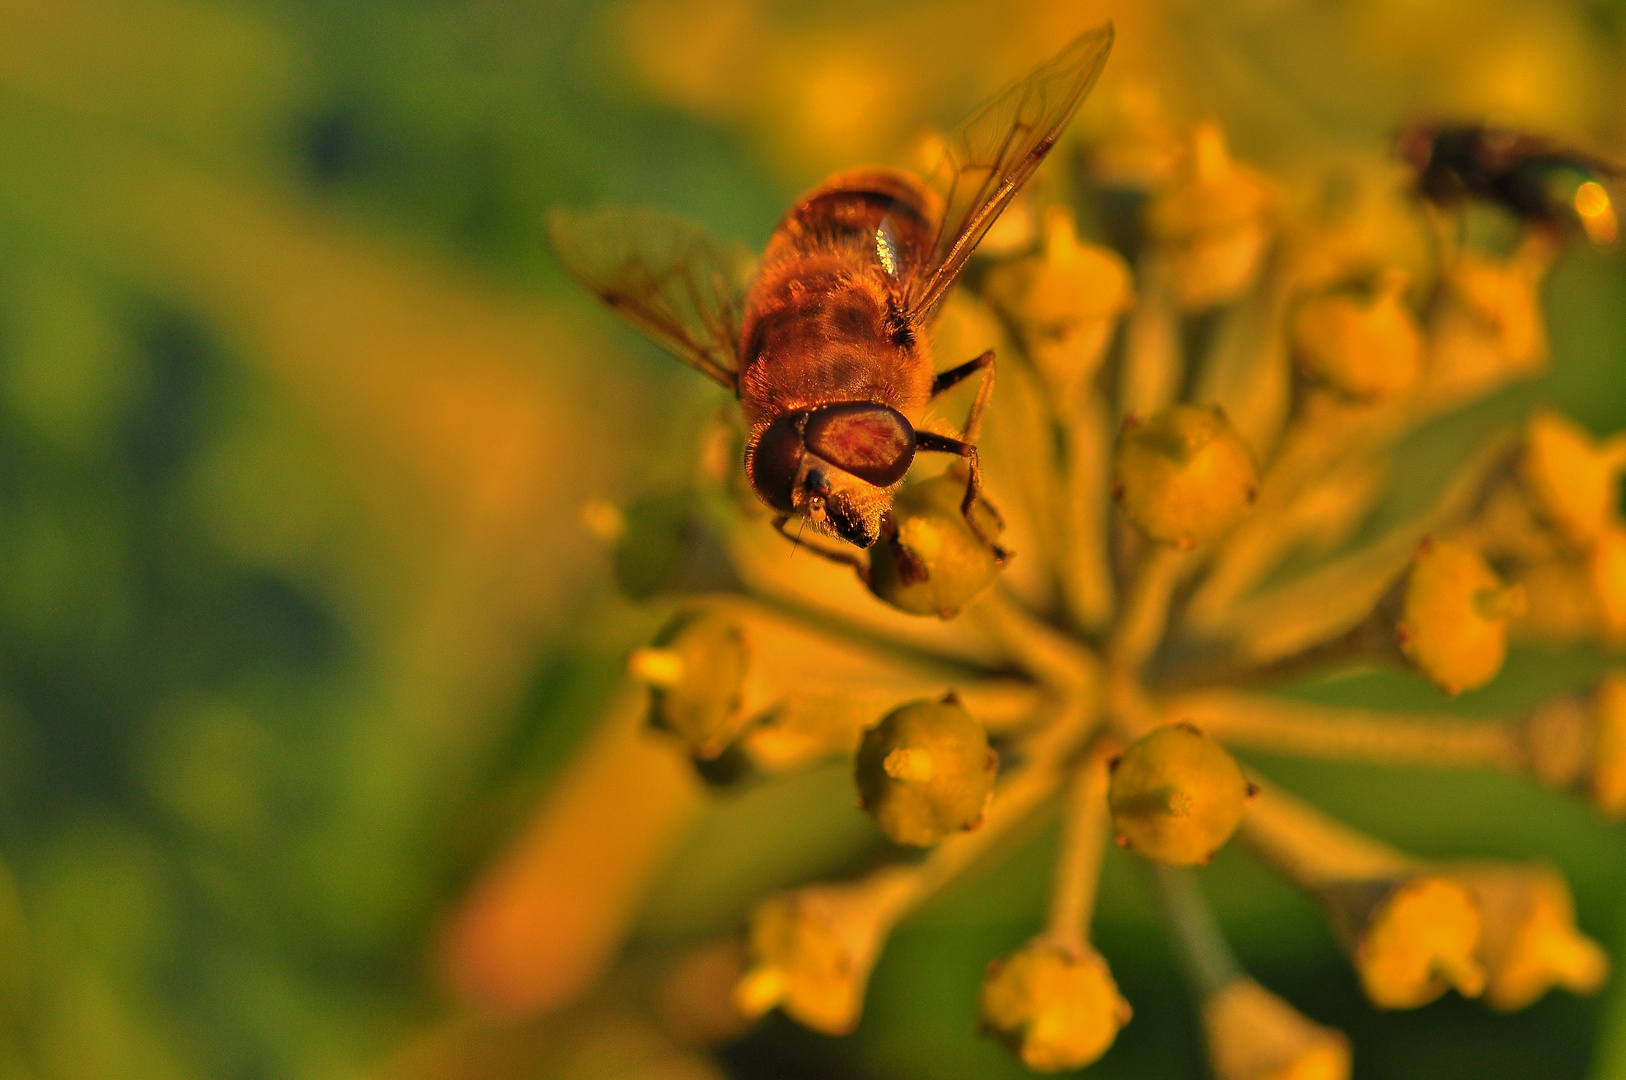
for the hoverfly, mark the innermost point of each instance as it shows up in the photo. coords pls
(1538, 180)
(827, 346)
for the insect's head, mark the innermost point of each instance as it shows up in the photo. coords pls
(835, 465)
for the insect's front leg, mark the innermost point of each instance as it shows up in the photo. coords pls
(929, 440)
(841, 558)
(983, 365)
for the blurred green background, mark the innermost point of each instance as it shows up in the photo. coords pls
(297, 620)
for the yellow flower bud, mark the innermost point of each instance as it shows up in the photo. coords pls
(1487, 324)
(1055, 1009)
(1213, 223)
(926, 771)
(811, 951)
(1412, 938)
(1254, 1035)
(1064, 301)
(1177, 796)
(1529, 943)
(1184, 476)
(1360, 347)
(696, 674)
(1579, 744)
(1571, 483)
(1454, 616)
(935, 565)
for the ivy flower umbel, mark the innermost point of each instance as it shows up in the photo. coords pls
(1164, 439)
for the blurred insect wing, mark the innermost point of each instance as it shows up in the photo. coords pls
(665, 275)
(988, 158)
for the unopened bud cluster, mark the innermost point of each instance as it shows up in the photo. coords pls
(1176, 469)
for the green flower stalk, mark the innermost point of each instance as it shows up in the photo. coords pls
(1250, 1033)
(1053, 1002)
(1188, 437)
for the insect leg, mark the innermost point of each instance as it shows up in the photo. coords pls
(843, 558)
(930, 440)
(953, 377)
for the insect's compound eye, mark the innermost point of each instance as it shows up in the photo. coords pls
(776, 460)
(872, 441)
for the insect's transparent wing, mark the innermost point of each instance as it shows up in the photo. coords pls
(990, 156)
(665, 275)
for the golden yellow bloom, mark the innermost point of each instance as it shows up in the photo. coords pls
(1606, 574)
(1579, 744)
(811, 951)
(1412, 937)
(1411, 932)
(1487, 321)
(1213, 224)
(1184, 476)
(1528, 942)
(1066, 300)
(1364, 348)
(1454, 615)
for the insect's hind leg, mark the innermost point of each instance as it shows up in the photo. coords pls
(928, 440)
(947, 380)
(841, 558)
